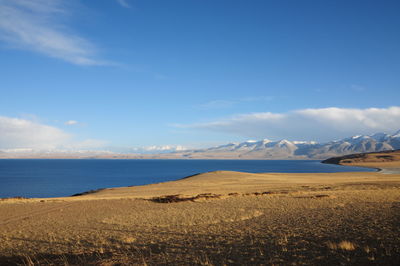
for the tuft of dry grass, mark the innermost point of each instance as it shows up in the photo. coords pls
(28, 261)
(344, 245)
(347, 245)
(128, 240)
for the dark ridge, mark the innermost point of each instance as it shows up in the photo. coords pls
(190, 176)
(179, 198)
(337, 160)
(87, 192)
(55, 259)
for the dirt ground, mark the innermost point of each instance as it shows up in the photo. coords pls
(217, 218)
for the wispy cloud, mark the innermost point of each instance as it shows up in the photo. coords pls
(223, 104)
(257, 99)
(217, 104)
(321, 124)
(71, 122)
(124, 3)
(358, 88)
(39, 25)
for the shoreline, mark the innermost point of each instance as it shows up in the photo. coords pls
(199, 184)
(95, 190)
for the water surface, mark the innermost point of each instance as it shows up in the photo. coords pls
(65, 177)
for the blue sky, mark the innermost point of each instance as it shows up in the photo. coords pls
(112, 74)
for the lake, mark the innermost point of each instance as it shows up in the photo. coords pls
(65, 177)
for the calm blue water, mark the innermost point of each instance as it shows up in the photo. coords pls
(55, 178)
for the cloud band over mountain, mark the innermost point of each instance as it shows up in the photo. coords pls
(321, 124)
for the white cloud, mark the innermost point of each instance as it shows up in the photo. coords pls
(321, 124)
(158, 149)
(17, 133)
(39, 25)
(124, 3)
(71, 122)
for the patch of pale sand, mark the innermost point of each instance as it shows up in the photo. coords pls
(385, 167)
(390, 170)
(379, 165)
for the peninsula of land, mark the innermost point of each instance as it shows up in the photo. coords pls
(216, 218)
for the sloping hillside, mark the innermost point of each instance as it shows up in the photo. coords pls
(384, 159)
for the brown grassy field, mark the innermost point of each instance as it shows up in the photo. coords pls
(217, 218)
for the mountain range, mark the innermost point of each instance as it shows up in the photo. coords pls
(285, 149)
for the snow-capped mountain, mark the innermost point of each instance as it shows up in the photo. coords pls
(285, 149)
(263, 149)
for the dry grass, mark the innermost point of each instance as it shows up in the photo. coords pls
(344, 245)
(219, 218)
